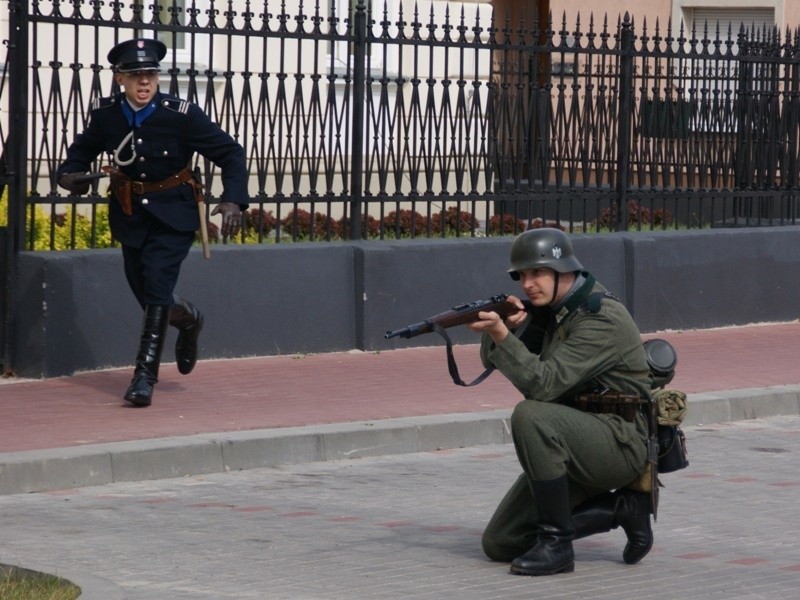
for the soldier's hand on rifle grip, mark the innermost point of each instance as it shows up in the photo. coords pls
(491, 323)
(231, 218)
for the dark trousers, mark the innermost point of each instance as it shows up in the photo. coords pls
(152, 269)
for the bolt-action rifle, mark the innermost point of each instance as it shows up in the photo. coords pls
(460, 315)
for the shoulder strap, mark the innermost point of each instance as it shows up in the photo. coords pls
(103, 102)
(176, 104)
(593, 301)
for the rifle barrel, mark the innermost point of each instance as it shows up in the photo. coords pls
(410, 331)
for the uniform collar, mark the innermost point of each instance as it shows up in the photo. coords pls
(135, 118)
(576, 297)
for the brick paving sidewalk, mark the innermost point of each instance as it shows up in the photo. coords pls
(288, 391)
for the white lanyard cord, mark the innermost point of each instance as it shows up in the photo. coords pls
(124, 141)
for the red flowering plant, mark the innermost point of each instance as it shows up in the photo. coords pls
(301, 224)
(260, 222)
(505, 224)
(403, 223)
(538, 224)
(637, 216)
(370, 227)
(454, 221)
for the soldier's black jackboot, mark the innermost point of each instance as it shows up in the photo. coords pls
(623, 508)
(145, 372)
(189, 321)
(553, 550)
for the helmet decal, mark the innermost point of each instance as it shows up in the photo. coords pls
(556, 252)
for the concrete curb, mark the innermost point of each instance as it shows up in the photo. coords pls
(739, 405)
(101, 464)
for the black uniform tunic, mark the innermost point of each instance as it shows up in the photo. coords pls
(166, 134)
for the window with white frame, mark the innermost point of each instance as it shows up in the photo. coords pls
(345, 11)
(184, 51)
(709, 83)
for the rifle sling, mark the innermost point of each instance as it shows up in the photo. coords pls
(451, 361)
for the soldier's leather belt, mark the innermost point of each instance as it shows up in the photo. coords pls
(626, 406)
(146, 187)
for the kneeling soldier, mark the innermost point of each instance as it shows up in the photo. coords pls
(577, 465)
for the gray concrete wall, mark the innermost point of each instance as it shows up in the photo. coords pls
(75, 312)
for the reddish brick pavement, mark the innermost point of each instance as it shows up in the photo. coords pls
(285, 391)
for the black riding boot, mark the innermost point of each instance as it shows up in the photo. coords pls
(553, 550)
(624, 508)
(145, 373)
(189, 321)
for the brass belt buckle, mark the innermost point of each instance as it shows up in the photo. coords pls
(137, 187)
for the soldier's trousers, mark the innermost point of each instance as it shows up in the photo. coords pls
(597, 453)
(152, 269)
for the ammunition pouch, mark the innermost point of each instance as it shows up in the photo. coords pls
(626, 406)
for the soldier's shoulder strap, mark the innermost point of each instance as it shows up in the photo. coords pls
(594, 301)
(103, 102)
(176, 104)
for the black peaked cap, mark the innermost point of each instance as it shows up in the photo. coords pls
(137, 55)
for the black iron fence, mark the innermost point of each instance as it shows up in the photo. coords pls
(378, 120)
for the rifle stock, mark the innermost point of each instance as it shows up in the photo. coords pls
(458, 315)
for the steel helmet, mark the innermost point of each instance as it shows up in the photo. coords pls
(544, 247)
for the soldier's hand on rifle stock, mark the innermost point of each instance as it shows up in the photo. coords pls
(231, 218)
(491, 323)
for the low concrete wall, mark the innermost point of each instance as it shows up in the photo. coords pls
(75, 312)
(699, 280)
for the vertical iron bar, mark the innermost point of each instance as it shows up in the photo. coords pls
(16, 161)
(790, 177)
(624, 121)
(359, 95)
